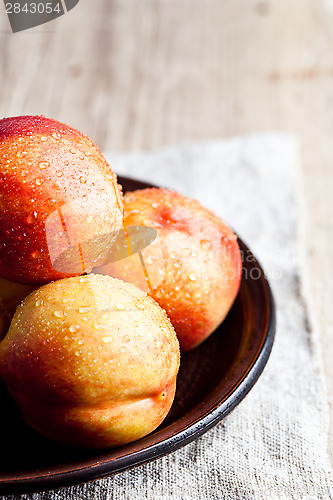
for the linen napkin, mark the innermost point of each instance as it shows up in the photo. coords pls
(274, 444)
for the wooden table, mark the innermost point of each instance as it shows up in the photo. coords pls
(141, 74)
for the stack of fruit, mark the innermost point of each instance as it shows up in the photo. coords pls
(91, 333)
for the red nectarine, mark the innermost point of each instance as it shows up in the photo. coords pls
(194, 267)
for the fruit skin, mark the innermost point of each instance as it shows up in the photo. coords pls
(56, 191)
(11, 294)
(91, 361)
(201, 262)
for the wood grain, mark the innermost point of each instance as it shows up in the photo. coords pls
(143, 74)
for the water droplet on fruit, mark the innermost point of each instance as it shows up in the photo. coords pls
(140, 306)
(43, 138)
(177, 264)
(38, 181)
(99, 326)
(77, 353)
(192, 276)
(83, 180)
(24, 173)
(107, 340)
(136, 324)
(59, 173)
(120, 307)
(21, 154)
(173, 255)
(84, 197)
(87, 153)
(56, 135)
(43, 164)
(74, 328)
(59, 314)
(73, 151)
(84, 310)
(206, 245)
(186, 252)
(39, 302)
(105, 316)
(123, 349)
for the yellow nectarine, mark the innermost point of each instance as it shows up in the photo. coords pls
(91, 361)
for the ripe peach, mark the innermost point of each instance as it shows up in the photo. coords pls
(91, 361)
(196, 275)
(59, 201)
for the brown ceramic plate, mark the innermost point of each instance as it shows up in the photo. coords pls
(213, 379)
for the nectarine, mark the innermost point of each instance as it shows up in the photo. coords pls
(91, 361)
(59, 201)
(196, 275)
